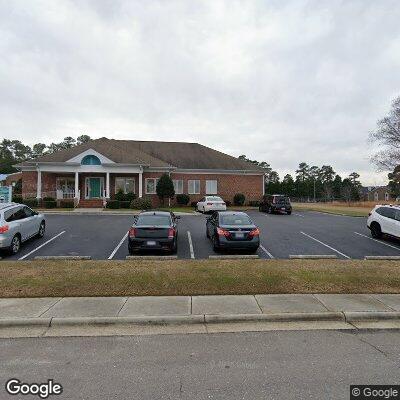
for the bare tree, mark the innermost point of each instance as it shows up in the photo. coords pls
(387, 136)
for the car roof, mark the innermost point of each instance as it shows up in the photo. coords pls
(388, 205)
(231, 213)
(155, 212)
(5, 206)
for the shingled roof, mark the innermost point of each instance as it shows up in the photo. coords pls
(179, 155)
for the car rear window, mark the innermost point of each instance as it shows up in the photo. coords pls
(154, 220)
(234, 219)
(281, 199)
(214, 198)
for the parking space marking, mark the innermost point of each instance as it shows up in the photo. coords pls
(118, 246)
(324, 244)
(266, 251)
(378, 241)
(39, 247)
(190, 244)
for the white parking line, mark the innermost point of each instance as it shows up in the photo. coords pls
(268, 253)
(118, 246)
(39, 247)
(190, 245)
(326, 245)
(378, 241)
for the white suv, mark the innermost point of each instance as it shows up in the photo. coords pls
(384, 219)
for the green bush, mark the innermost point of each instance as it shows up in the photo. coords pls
(113, 204)
(121, 196)
(124, 204)
(239, 199)
(130, 197)
(142, 203)
(17, 199)
(165, 188)
(66, 204)
(49, 199)
(182, 199)
(30, 202)
(49, 204)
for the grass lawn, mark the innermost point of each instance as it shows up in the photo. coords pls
(185, 277)
(353, 211)
(173, 209)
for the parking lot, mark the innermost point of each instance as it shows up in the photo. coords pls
(305, 233)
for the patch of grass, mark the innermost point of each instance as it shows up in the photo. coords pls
(195, 277)
(333, 209)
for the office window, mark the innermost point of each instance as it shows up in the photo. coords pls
(194, 186)
(211, 187)
(178, 186)
(151, 185)
(127, 185)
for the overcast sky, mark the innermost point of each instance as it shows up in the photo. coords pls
(280, 81)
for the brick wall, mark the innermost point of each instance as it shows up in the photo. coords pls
(29, 181)
(228, 185)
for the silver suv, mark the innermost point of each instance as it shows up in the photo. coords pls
(19, 223)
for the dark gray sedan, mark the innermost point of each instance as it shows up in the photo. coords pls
(232, 230)
(154, 230)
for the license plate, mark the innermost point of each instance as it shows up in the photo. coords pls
(151, 243)
(239, 235)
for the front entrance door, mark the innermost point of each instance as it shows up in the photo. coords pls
(94, 188)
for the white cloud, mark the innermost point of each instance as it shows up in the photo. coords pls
(279, 81)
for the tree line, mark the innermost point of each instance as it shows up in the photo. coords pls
(311, 183)
(14, 151)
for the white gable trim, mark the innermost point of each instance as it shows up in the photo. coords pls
(88, 152)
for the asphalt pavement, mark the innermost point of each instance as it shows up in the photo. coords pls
(304, 233)
(258, 365)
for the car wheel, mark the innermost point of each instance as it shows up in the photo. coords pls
(260, 208)
(269, 211)
(289, 213)
(15, 244)
(42, 229)
(174, 248)
(215, 244)
(376, 230)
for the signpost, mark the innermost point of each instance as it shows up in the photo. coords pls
(5, 194)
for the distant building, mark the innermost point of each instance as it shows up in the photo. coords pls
(376, 193)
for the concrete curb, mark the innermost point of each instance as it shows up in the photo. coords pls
(62, 258)
(151, 257)
(312, 257)
(234, 257)
(354, 316)
(16, 322)
(382, 258)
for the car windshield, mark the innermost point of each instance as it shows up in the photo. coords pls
(281, 199)
(154, 220)
(215, 198)
(234, 219)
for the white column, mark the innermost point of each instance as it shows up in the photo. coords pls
(107, 185)
(39, 184)
(76, 185)
(140, 184)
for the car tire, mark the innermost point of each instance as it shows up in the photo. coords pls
(289, 213)
(42, 229)
(15, 244)
(215, 244)
(269, 210)
(376, 231)
(175, 248)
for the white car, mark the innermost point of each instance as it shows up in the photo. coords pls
(211, 203)
(384, 219)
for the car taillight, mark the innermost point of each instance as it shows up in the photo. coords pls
(254, 232)
(171, 233)
(209, 204)
(4, 229)
(132, 232)
(223, 232)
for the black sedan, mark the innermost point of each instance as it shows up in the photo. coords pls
(154, 230)
(232, 230)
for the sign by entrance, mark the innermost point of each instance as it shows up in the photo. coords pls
(5, 194)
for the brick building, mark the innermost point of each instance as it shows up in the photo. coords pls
(93, 172)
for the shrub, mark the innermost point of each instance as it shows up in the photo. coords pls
(141, 203)
(30, 202)
(66, 204)
(49, 203)
(254, 203)
(49, 199)
(124, 204)
(182, 199)
(120, 195)
(130, 197)
(165, 188)
(17, 199)
(112, 204)
(193, 204)
(239, 199)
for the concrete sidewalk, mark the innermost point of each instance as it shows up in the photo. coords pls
(198, 309)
